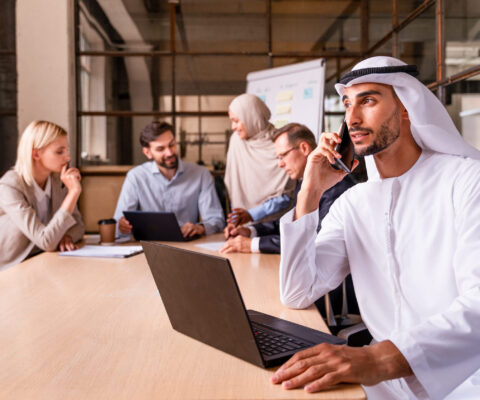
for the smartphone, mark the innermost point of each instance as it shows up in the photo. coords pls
(345, 148)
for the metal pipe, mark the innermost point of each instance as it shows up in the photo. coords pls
(410, 17)
(157, 113)
(152, 113)
(395, 51)
(460, 76)
(269, 32)
(440, 47)
(364, 22)
(284, 54)
(173, 25)
(78, 87)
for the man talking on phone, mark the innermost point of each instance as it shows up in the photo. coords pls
(410, 237)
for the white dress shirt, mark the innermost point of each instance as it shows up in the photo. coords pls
(412, 245)
(42, 203)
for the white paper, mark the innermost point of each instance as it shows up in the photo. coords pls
(103, 251)
(212, 246)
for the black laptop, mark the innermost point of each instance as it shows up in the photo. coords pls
(154, 225)
(203, 301)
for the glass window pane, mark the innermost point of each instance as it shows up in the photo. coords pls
(124, 83)
(315, 25)
(204, 140)
(417, 46)
(126, 24)
(112, 140)
(215, 75)
(8, 153)
(8, 87)
(463, 105)
(380, 20)
(115, 140)
(462, 33)
(222, 26)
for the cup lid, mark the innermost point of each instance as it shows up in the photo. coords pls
(107, 221)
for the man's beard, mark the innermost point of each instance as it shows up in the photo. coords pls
(385, 137)
(173, 165)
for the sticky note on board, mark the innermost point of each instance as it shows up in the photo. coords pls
(278, 123)
(308, 93)
(285, 95)
(283, 109)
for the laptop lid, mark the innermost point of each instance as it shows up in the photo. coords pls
(203, 301)
(151, 225)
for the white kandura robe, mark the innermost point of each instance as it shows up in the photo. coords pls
(412, 245)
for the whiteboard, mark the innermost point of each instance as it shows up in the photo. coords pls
(293, 93)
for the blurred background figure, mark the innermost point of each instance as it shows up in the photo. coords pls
(256, 186)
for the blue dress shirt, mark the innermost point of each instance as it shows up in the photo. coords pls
(270, 206)
(189, 194)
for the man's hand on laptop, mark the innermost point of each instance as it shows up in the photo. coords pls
(238, 244)
(124, 226)
(190, 230)
(325, 365)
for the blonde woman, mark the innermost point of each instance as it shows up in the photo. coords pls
(38, 197)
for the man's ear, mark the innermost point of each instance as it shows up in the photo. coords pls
(304, 148)
(405, 114)
(147, 152)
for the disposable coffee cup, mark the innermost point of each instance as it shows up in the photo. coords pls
(106, 228)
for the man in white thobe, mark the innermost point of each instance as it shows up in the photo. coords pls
(410, 237)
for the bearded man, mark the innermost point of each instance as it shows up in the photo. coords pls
(166, 183)
(409, 236)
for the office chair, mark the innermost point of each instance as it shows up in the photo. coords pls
(340, 310)
(222, 194)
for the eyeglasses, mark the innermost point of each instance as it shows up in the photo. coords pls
(281, 156)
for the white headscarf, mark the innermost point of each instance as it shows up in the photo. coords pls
(252, 174)
(431, 126)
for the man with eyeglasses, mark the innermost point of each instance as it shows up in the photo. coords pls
(166, 183)
(293, 143)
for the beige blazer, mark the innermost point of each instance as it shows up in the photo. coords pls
(21, 232)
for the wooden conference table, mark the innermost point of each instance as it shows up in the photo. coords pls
(77, 328)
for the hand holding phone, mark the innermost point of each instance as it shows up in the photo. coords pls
(345, 148)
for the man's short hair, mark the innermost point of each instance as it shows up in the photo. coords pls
(296, 133)
(152, 131)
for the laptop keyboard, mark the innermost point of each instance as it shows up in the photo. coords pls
(272, 343)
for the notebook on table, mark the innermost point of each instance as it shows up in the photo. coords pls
(155, 225)
(203, 301)
(103, 251)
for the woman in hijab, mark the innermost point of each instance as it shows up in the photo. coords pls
(253, 178)
(39, 195)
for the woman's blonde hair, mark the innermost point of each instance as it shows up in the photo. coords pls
(37, 135)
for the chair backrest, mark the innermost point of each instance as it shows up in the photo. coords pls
(340, 310)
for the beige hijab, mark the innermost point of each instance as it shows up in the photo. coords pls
(252, 174)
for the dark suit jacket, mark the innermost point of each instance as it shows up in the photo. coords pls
(269, 232)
